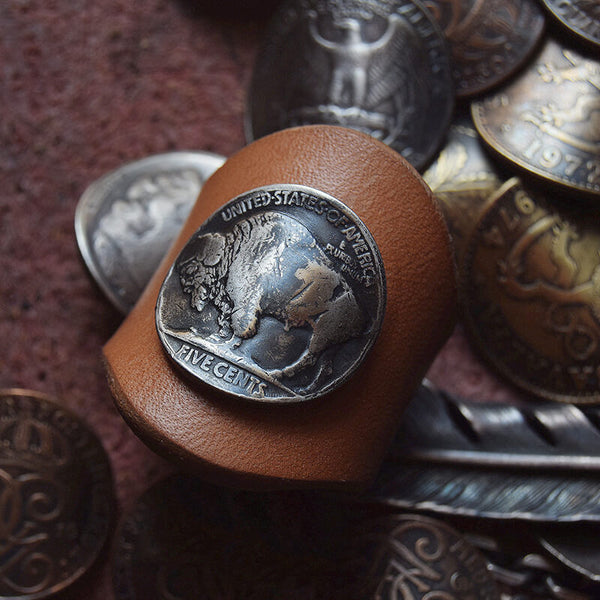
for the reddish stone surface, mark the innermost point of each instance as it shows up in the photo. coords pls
(85, 87)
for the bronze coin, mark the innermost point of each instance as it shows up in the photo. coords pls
(56, 496)
(186, 539)
(421, 558)
(581, 17)
(378, 67)
(531, 294)
(489, 39)
(548, 120)
(462, 179)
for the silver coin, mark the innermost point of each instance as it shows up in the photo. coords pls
(277, 297)
(126, 220)
(379, 67)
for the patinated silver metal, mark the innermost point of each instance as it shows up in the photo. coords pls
(126, 220)
(581, 17)
(277, 297)
(379, 67)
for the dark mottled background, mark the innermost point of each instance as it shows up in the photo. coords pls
(86, 86)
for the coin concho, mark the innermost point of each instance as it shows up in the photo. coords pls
(278, 297)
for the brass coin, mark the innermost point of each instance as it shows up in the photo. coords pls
(581, 17)
(56, 496)
(548, 120)
(278, 297)
(489, 40)
(381, 67)
(462, 179)
(422, 558)
(531, 294)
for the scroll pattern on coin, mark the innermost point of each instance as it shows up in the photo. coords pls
(581, 17)
(126, 221)
(420, 558)
(278, 296)
(378, 67)
(548, 120)
(531, 294)
(489, 39)
(55, 496)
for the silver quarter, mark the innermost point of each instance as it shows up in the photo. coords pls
(126, 220)
(379, 67)
(278, 297)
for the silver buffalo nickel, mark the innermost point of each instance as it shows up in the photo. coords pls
(381, 67)
(278, 296)
(126, 220)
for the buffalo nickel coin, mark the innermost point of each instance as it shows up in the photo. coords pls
(531, 294)
(581, 17)
(277, 297)
(489, 40)
(548, 120)
(379, 67)
(126, 221)
(56, 496)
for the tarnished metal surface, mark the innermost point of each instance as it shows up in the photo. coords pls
(581, 17)
(126, 221)
(489, 39)
(379, 67)
(548, 120)
(420, 558)
(277, 297)
(531, 294)
(462, 179)
(56, 496)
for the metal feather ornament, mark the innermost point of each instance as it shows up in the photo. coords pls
(538, 463)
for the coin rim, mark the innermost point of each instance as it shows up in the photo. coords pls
(473, 331)
(97, 192)
(102, 541)
(377, 319)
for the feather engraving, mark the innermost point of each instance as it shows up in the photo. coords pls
(538, 463)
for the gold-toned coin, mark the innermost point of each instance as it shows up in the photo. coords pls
(531, 293)
(462, 179)
(489, 40)
(548, 120)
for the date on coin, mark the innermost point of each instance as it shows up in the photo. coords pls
(531, 294)
(278, 297)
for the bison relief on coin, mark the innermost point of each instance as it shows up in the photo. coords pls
(278, 297)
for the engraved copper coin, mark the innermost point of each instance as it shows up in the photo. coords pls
(278, 297)
(548, 120)
(380, 67)
(56, 496)
(489, 40)
(420, 558)
(186, 540)
(581, 17)
(531, 294)
(462, 179)
(126, 220)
